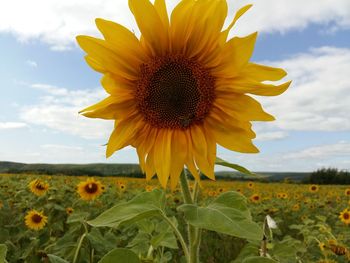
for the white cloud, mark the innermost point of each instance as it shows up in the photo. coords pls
(58, 109)
(32, 63)
(340, 149)
(57, 22)
(12, 125)
(319, 97)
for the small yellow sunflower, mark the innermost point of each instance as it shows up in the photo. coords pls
(255, 198)
(69, 210)
(345, 216)
(250, 185)
(90, 189)
(314, 188)
(296, 207)
(38, 187)
(347, 191)
(121, 187)
(35, 220)
(149, 188)
(181, 88)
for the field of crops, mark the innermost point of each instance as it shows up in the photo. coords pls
(45, 221)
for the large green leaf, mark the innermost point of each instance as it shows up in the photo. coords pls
(237, 167)
(56, 259)
(3, 251)
(249, 250)
(144, 205)
(120, 255)
(227, 214)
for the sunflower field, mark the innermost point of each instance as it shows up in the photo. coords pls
(52, 219)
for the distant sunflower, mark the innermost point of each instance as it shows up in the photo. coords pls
(255, 198)
(90, 189)
(69, 210)
(181, 88)
(35, 220)
(347, 192)
(38, 187)
(345, 216)
(314, 188)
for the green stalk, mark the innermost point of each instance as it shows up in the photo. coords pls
(179, 236)
(193, 232)
(78, 247)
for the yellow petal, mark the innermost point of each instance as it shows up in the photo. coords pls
(160, 6)
(242, 107)
(239, 13)
(162, 149)
(200, 151)
(150, 169)
(94, 64)
(233, 139)
(252, 87)
(111, 108)
(122, 134)
(102, 52)
(150, 25)
(236, 55)
(190, 157)
(261, 73)
(115, 85)
(122, 39)
(178, 153)
(196, 25)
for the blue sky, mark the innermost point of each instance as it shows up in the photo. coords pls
(44, 82)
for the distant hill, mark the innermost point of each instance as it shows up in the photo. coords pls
(93, 169)
(132, 170)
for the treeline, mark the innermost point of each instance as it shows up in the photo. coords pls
(328, 176)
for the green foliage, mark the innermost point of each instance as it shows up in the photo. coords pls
(227, 214)
(120, 255)
(237, 167)
(144, 205)
(329, 176)
(3, 251)
(55, 259)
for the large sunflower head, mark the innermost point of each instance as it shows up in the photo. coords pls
(90, 189)
(35, 220)
(38, 187)
(345, 216)
(181, 88)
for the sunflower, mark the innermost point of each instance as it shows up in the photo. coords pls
(255, 198)
(345, 216)
(314, 188)
(69, 210)
(347, 191)
(90, 189)
(35, 220)
(181, 88)
(38, 187)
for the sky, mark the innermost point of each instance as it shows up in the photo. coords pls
(44, 82)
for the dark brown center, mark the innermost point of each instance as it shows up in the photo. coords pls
(91, 188)
(346, 216)
(36, 218)
(39, 186)
(174, 92)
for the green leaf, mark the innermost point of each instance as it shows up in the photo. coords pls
(237, 167)
(3, 251)
(227, 214)
(258, 260)
(144, 205)
(120, 255)
(56, 259)
(248, 250)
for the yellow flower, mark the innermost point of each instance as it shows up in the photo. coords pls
(345, 216)
(90, 189)
(69, 210)
(314, 188)
(347, 192)
(250, 185)
(296, 207)
(38, 187)
(35, 220)
(181, 88)
(255, 198)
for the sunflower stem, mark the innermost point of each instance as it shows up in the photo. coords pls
(194, 234)
(78, 247)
